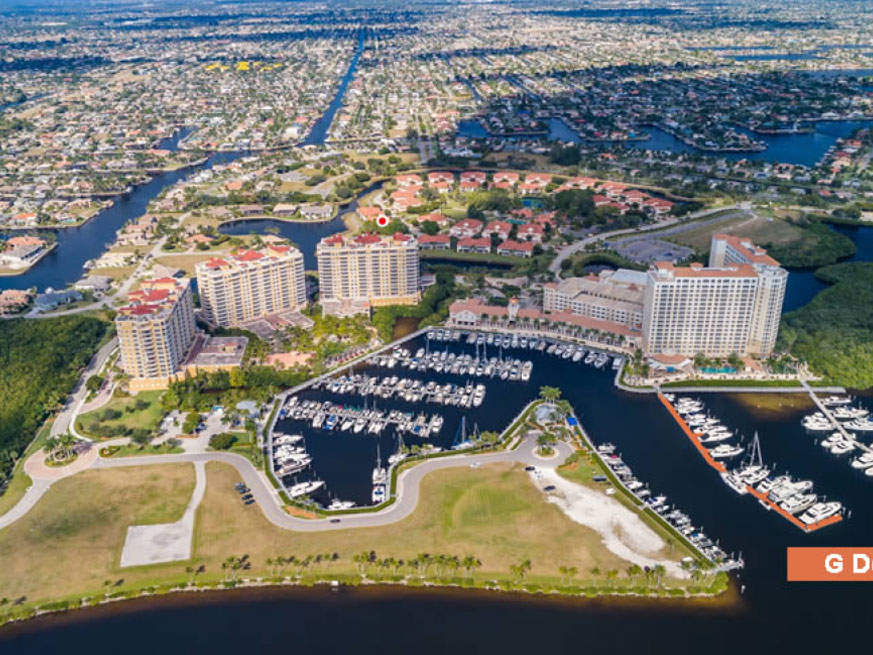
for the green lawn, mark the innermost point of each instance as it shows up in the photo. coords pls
(148, 417)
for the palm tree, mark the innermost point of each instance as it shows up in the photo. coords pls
(550, 394)
(469, 563)
(633, 571)
(658, 570)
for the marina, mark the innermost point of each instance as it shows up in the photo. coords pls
(426, 395)
(789, 497)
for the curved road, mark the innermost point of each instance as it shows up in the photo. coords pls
(408, 484)
(576, 246)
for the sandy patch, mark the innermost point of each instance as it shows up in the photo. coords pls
(623, 532)
(165, 542)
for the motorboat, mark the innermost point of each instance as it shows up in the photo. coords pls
(304, 488)
(863, 461)
(798, 503)
(734, 481)
(724, 451)
(820, 512)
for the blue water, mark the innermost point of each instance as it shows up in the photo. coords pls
(318, 133)
(803, 149)
(803, 285)
(304, 235)
(771, 617)
(76, 245)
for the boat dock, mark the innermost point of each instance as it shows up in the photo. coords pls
(654, 505)
(360, 420)
(837, 425)
(763, 497)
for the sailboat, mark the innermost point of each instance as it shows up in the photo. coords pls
(399, 454)
(380, 477)
(461, 439)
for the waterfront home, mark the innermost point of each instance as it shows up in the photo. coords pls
(284, 209)
(445, 177)
(480, 245)
(20, 256)
(408, 179)
(251, 210)
(94, 284)
(51, 299)
(515, 248)
(435, 242)
(316, 212)
(371, 213)
(467, 227)
(506, 177)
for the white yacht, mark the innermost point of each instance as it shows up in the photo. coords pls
(820, 512)
(861, 425)
(303, 488)
(833, 401)
(863, 461)
(734, 481)
(846, 413)
(724, 451)
(341, 504)
(798, 503)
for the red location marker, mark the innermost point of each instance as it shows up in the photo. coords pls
(382, 221)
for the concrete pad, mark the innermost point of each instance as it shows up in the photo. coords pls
(165, 542)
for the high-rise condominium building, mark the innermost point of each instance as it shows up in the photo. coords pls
(251, 284)
(732, 306)
(156, 328)
(357, 273)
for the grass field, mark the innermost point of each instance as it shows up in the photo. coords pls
(70, 544)
(759, 229)
(493, 513)
(71, 541)
(148, 417)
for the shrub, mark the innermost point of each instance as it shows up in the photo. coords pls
(222, 441)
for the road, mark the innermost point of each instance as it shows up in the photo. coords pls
(65, 420)
(408, 484)
(684, 223)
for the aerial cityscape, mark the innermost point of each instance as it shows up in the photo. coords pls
(486, 325)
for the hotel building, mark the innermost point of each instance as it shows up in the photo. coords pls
(156, 328)
(615, 296)
(251, 284)
(358, 273)
(732, 306)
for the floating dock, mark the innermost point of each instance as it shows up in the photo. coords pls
(718, 466)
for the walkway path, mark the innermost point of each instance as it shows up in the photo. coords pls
(65, 422)
(839, 427)
(408, 483)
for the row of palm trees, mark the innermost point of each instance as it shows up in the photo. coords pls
(420, 565)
